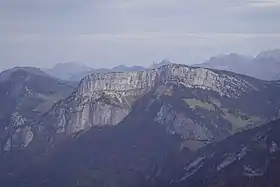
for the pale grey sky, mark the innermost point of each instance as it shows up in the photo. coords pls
(104, 33)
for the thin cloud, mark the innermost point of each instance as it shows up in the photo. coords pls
(264, 3)
(133, 31)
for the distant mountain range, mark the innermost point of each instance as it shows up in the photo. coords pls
(69, 71)
(264, 66)
(76, 71)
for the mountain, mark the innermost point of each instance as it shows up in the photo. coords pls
(277, 77)
(25, 94)
(268, 63)
(218, 103)
(231, 62)
(5, 75)
(140, 128)
(273, 54)
(161, 63)
(69, 71)
(264, 66)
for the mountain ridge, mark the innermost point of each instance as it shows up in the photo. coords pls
(107, 98)
(75, 72)
(122, 86)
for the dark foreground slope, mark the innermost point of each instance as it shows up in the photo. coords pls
(138, 153)
(249, 159)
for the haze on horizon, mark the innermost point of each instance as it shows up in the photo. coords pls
(105, 33)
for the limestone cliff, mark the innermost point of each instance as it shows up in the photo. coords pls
(173, 73)
(106, 98)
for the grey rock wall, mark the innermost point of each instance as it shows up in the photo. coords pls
(106, 98)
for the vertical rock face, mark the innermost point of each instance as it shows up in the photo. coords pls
(117, 82)
(172, 73)
(106, 99)
(79, 113)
